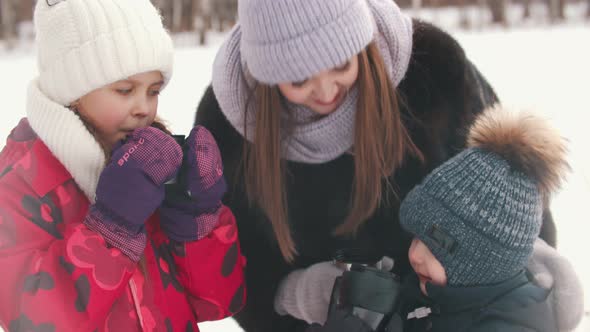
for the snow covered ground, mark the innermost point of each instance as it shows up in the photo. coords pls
(535, 67)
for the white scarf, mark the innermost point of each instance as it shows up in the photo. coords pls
(67, 138)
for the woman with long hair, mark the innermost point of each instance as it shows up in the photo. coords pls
(327, 112)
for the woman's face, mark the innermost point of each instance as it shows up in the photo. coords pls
(426, 266)
(117, 109)
(324, 92)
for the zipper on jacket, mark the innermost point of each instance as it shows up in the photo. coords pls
(419, 313)
(136, 303)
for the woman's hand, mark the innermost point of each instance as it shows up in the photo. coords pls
(305, 294)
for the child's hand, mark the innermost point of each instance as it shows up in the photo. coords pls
(131, 187)
(190, 210)
(203, 169)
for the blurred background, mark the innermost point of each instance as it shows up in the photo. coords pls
(535, 53)
(203, 16)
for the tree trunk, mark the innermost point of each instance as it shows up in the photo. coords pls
(556, 10)
(165, 7)
(187, 20)
(588, 9)
(498, 10)
(225, 12)
(1, 22)
(202, 15)
(25, 10)
(176, 15)
(9, 21)
(526, 13)
(561, 9)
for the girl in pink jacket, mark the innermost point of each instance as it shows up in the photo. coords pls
(92, 235)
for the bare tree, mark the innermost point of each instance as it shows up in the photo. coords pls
(225, 12)
(526, 12)
(498, 11)
(165, 7)
(187, 19)
(25, 10)
(9, 11)
(197, 15)
(588, 9)
(556, 10)
(202, 18)
(176, 15)
(1, 22)
(179, 15)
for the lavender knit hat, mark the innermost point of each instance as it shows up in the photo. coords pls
(292, 40)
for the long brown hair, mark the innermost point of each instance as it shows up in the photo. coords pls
(381, 143)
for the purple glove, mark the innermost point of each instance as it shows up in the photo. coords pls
(191, 208)
(131, 188)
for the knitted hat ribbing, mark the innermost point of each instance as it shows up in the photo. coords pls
(292, 40)
(481, 211)
(86, 44)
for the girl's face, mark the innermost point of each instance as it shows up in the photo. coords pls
(324, 92)
(426, 266)
(117, 109)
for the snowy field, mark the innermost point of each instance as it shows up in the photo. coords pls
(532, 66)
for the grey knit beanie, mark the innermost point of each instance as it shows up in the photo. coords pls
(481, 211)
(292, 40)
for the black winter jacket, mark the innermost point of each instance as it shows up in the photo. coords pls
(515, 305)
(440, 96)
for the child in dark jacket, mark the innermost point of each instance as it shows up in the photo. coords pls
(478, 262)
(476, 219)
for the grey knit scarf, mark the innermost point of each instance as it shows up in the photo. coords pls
(313, 139)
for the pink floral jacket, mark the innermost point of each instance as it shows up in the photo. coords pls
(57, 275)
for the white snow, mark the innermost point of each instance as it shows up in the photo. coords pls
(540, 68)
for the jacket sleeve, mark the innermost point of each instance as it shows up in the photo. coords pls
(211, 270)
(56, 273)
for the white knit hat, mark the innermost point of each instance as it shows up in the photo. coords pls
(86, 44)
